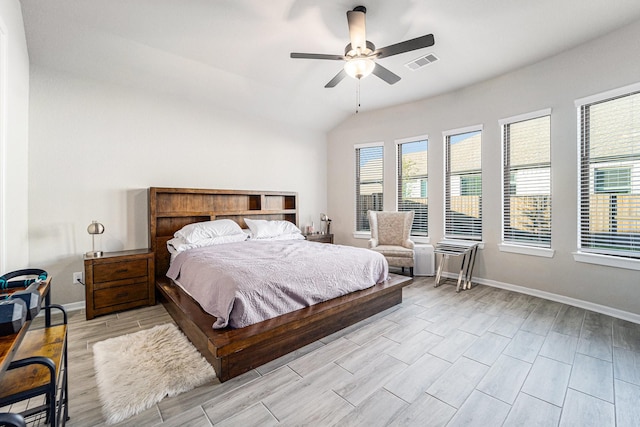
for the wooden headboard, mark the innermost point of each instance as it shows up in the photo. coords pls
(170, 209)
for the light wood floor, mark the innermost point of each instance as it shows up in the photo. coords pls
(484, 357)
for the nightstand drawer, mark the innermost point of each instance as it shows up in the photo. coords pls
(116, 283)
(119, 270)
(120, 294)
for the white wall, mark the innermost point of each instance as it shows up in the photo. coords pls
(95, 149)
(14, 117)
(600, 65)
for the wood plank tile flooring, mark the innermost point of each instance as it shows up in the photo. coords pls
(483, 357)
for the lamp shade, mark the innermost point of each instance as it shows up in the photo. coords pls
(359, 67)
(95, 228)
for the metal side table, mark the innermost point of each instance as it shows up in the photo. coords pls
(467, 250)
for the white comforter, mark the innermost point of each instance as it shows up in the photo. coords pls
(247, 282)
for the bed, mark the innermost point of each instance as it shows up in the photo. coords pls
(236, 351)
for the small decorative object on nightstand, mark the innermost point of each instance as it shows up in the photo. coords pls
(326, 228)
(119, 281)
(94, 228)
(319, 237)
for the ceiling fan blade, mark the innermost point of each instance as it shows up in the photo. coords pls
(337, 79)
(385, 74)
(357, 33)
(406, 46)
(296, 55)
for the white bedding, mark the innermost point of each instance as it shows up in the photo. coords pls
(247, 282)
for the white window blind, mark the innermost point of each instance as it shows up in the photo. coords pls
(463, 185)
(369, 183)
(610, 176)
(412, 183)
(527, 181)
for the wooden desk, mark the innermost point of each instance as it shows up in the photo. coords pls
(9, 344)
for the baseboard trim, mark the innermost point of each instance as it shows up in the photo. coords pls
(72, 306)
(598, 308)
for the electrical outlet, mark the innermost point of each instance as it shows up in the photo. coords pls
(77, 278)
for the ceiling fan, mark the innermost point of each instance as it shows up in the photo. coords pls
(360, 54)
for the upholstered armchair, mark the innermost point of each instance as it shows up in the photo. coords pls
(390, 235)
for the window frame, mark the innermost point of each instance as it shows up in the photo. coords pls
(364, 233)
(446, 135)
(583, 254)
(418, 238)
(521, 246)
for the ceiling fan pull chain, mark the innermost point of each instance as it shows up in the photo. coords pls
(358, 96)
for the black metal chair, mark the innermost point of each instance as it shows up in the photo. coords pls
(40, 368)
(12, 420)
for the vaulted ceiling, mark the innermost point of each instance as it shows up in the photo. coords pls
(234, 54)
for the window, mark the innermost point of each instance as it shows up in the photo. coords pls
(369, 183)
(463, 183)
(526, 142)
(613, 180)
(412, 182)
(471, 185)
(3, 143)
(610, 173)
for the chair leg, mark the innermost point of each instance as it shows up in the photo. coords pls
(411, 271)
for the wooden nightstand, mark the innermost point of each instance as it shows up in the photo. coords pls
(119, 281)
(317, 237)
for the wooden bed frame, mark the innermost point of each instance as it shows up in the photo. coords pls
(235, 351)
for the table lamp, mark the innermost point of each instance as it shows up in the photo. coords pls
(94, 228)
(327, 226)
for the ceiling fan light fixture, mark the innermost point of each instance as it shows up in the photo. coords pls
(360, 54)
(359, 68)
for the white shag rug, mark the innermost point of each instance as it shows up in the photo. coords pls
(136, 371)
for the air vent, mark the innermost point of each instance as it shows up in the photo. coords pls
(421, 62)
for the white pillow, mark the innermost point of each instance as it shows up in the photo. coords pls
(261, 228)
(178, 244)
(197, 231)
